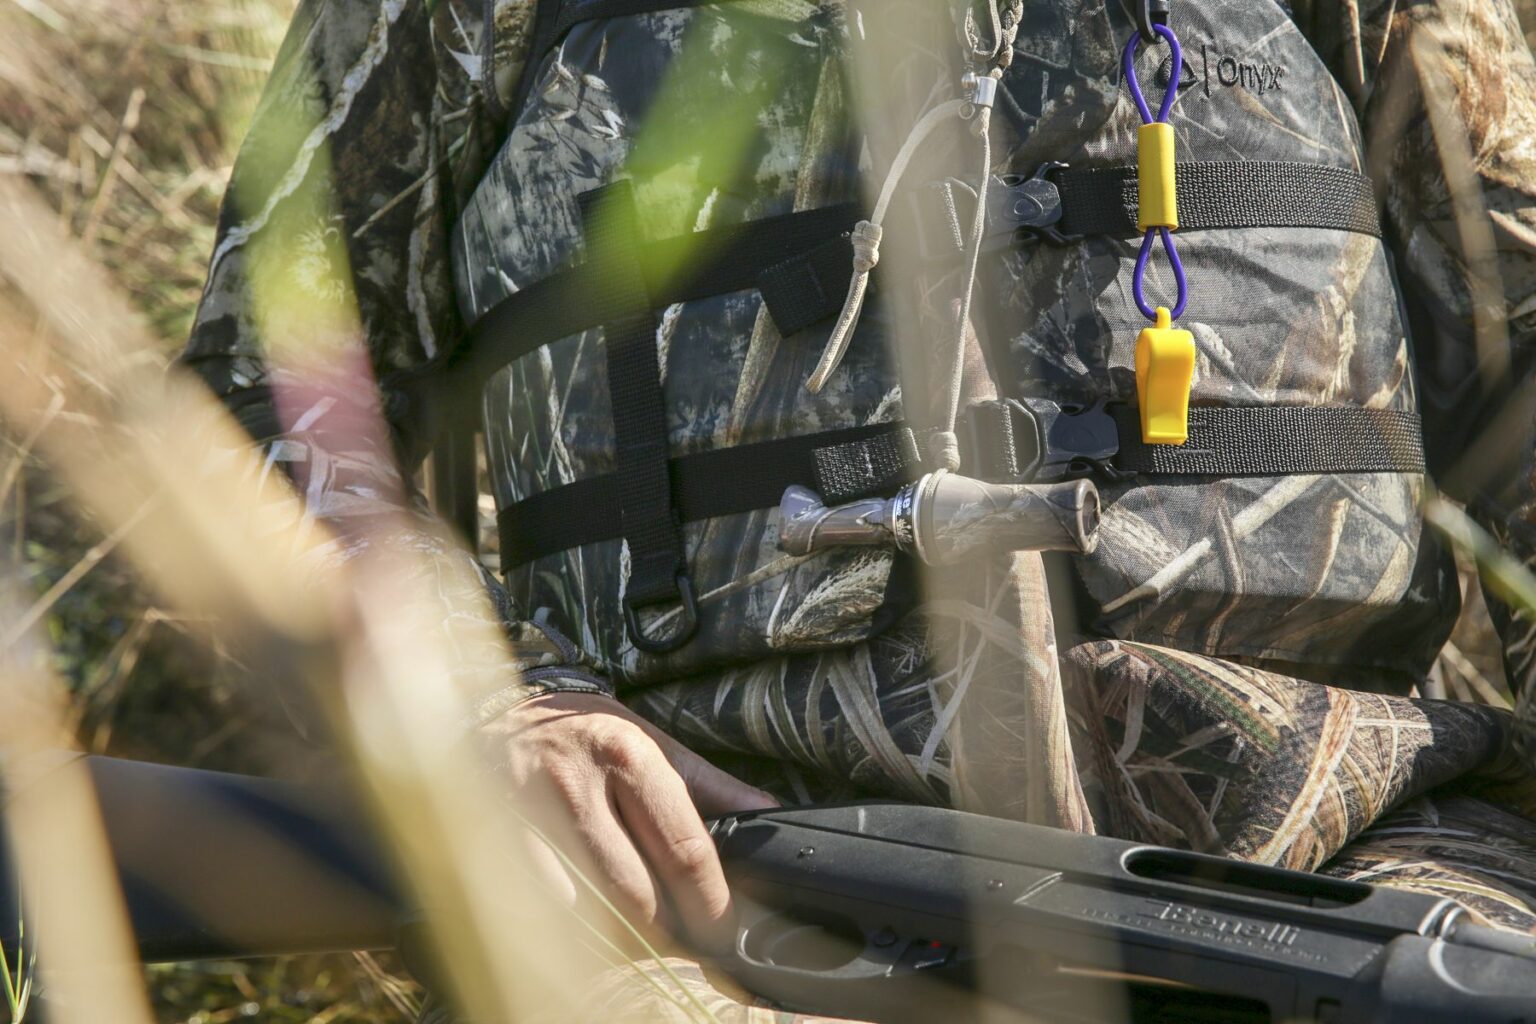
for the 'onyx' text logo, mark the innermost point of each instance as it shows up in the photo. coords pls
(1225, 71)
(1222, 71)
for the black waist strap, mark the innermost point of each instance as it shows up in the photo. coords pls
(1018, 441)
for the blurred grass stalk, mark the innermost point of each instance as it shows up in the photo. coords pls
(224, 537)
(18, 977)
(1501, 572)
(66, 880)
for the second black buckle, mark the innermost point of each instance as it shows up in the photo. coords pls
(1037, 440)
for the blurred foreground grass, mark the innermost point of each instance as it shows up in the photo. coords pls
(126, 116)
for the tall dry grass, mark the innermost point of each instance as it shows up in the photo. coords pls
(157, 504)
(125, 117)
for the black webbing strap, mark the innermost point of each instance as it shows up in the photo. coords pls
(722, 482)
(865, 467)
(574, 12)
(1223, 194)
(1277, 440)
(680, 269)
(809, 287)
(658, 567)
(844, 465)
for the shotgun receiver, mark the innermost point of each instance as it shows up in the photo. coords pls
(901, 913)
(876, 911)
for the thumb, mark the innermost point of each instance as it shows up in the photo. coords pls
(715, 792)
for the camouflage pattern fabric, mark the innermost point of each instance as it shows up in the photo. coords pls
(1189, 751)
(1198, 564)
(1447, 93)
(405, 106)
(1301, 569)
(1474, 851)
(780, 144)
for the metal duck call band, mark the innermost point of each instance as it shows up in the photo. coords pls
(945, 518)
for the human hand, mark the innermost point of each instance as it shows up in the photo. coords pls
(625, 802)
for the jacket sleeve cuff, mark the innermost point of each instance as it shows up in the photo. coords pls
(531, 684)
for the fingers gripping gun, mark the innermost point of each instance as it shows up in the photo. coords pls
(883, 912)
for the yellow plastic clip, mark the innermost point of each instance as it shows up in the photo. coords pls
(1157, 178)
(1165, 369)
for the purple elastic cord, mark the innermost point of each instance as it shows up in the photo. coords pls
(1176, 72)
(1139, 279)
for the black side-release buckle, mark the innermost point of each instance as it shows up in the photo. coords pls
(1026, 206)
(1020, 208)
(1035, 439)
(676, 638)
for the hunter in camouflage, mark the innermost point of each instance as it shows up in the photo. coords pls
(1204, 719)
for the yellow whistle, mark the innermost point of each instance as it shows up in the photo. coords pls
(1165, 369)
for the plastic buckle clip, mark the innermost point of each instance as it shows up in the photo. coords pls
(1070, 441)
(1029, 206)
(1150, 14)
(1037, 440)
(1020, 209)
(684, 633)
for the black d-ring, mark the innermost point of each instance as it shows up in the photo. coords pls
(679, 636)
(1150, 14)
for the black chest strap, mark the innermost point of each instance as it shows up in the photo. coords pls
(685, 268)
(801, 262)
(1223, 194)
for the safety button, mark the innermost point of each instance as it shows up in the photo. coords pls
(1165, 369)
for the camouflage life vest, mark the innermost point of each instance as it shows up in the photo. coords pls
(654, 262)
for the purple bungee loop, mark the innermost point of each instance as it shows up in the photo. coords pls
(1139, 279)
(1176, 71)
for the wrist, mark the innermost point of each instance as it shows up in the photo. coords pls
(529, 686)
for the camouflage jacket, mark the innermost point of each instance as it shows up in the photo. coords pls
(383, 118)
(404, 106)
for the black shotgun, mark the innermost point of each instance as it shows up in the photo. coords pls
(884, 912)
(898, 912)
